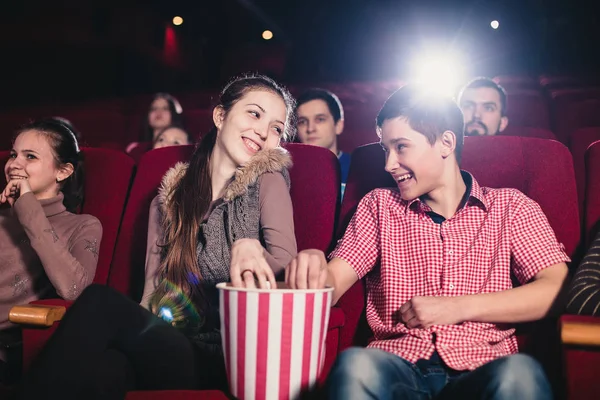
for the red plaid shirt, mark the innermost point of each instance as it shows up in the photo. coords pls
(403, 253)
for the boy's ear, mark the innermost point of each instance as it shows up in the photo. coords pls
(448, 142)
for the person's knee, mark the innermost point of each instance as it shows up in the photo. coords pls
(97, 297)
(93, 292)
(521, 376)
(357, 365)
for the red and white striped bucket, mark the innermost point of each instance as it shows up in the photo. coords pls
(273, 340)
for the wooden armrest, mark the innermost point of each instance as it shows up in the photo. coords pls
(581, 333)
(38, 315)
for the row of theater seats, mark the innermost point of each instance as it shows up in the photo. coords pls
(578, 144)
(542, 169)
(559, 104)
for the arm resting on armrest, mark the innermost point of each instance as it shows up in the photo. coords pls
(580, 330)
(36, 315)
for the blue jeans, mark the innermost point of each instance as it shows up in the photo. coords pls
(361, 373)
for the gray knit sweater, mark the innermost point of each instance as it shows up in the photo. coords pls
(237, 216)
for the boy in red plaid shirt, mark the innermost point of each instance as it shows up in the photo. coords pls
(438, 253)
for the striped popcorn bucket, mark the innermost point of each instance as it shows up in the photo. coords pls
(273, 340)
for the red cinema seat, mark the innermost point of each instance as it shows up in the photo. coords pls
(581, 334)
(127, 269)
(136, 150)
(574, 109)
(527, 108)
(528, 132)
(592, 192)
(580, 140)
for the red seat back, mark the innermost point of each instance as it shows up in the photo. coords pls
(359, 126)
(315, 192)
(580, 140)
(574, 109)
(592, 191)
(527, 108)
(529, 132)
(555, 83)
(136, 150)
(541, 169)
(97, 126)
(108, 175)
(315, 185)
(517, 82)
(127, 268)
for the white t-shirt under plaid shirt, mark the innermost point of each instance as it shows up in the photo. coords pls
(404, 253)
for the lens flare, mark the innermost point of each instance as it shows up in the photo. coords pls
(438, 71)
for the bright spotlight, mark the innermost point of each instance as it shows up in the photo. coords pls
(177, 20)
(495, 24)
(267, 35)
(439, 72)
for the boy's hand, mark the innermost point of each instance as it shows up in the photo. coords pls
(425, 311)
(308, 270)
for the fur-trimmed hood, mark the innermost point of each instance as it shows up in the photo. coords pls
(272, 160)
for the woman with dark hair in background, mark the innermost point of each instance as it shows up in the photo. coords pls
(164, 111)
(45, 249)
(227, 215)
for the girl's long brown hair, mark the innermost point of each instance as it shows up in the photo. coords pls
(179, 279)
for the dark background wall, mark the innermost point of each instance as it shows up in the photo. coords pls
(73, 51)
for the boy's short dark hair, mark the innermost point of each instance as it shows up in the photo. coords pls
(483, 82)
(332, 101)
(429, 114)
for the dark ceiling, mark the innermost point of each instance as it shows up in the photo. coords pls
(79, 50)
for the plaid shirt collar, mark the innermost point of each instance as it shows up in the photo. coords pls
(474, 196)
